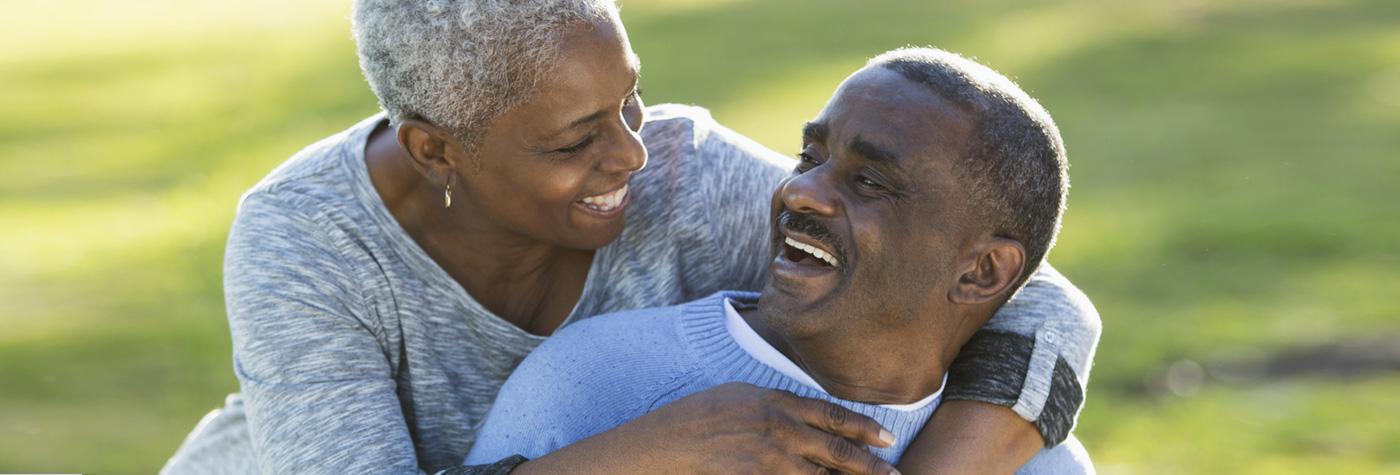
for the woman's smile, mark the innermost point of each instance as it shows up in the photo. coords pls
(605, 205)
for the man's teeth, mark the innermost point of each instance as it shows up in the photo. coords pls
(814, 251)
(606, 201)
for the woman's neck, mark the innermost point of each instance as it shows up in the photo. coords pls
(532, 284)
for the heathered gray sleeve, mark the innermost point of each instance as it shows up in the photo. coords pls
(739, 179)
(318, 388)
(1034, 356)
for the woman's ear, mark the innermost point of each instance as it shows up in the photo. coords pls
(997, 265)
(431, 147)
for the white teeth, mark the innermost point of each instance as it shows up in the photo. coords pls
(606, 201)
(813, 250)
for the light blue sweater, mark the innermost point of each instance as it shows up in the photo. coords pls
(600, 373)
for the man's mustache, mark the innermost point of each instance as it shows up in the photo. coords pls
(811, 227)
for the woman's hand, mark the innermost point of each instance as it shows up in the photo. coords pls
(734, 428)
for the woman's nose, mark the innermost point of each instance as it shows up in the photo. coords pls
(628, 154)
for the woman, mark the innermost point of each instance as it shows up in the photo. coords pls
(383, 283)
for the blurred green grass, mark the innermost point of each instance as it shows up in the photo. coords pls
(1233, 167)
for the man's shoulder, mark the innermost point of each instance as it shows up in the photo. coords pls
(647, 330)
(599, 345)
(589, 377)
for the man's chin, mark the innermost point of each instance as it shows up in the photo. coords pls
(790, 315)
(797, 293)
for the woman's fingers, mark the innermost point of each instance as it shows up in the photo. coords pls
(841, 422)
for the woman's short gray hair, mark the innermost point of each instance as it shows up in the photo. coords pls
(460, 64)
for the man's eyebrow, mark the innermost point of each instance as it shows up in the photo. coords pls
(814, 132)
(871, 152)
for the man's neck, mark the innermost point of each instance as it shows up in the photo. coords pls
(866, 368)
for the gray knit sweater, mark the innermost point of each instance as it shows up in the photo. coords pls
(356, 353)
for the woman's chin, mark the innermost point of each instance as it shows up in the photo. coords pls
(592, 228)
(593, 236)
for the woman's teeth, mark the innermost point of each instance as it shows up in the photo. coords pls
(606, 201)
(817, 253)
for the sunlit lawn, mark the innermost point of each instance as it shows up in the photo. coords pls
(1234, 168)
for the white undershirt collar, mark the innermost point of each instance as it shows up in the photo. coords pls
(759, 349)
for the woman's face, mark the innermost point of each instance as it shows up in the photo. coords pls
(555, 169)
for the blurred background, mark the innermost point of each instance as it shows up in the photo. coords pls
(1234, 214)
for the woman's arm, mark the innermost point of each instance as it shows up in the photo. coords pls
(586, 401)
(1016, 387)
(318, 386)
(971, 437)
(733, 428)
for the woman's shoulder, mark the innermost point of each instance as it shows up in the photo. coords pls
(705, 188)
(308, 207)
(318, 186)
(692, 156)
(677, 134)
(320, 169)
(675, 126)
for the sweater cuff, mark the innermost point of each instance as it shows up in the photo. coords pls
(501, 467)
(1015, 371)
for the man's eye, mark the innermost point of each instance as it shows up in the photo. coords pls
(868, 183)
(633, 98)
(805, 162)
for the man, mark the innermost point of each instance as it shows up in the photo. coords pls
(929, 189)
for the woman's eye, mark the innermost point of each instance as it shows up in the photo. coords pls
(633, 98)
(578, 147)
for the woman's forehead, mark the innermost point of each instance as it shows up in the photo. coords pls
(596, 70)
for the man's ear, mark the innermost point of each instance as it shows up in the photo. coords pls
(997, 264)
(433, 149)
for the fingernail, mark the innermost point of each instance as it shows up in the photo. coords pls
(887, 438)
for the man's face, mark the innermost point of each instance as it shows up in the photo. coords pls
(869, 229)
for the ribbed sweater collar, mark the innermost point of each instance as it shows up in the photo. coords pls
(721, 358)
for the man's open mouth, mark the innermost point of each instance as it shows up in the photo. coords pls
(799, 252)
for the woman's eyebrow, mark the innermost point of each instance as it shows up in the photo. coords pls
(576, 123)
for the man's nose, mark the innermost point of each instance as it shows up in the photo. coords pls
(809, 193)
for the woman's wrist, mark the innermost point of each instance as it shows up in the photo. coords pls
(617, 450)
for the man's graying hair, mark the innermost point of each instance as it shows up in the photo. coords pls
(460, 64)
(1015, 163)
